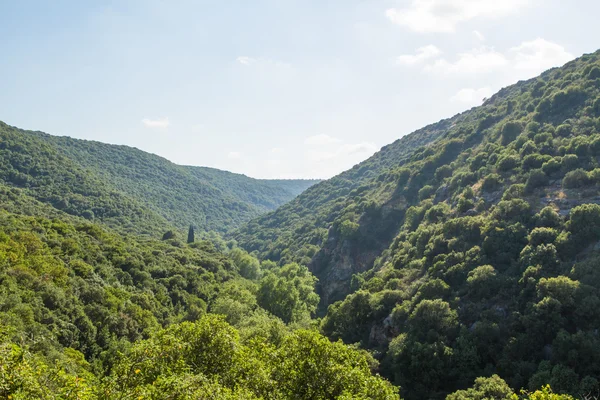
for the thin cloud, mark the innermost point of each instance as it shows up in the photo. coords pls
(472, 97)
(532, 57)
(483, 59)
(356, 151)
(245, 60)
(422, 54)
(539, 55)
(156, 123)
(425, 16)
(261, 62)
(479, 36)
(320, 140)
(234, 155)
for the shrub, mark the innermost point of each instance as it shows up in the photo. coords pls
(534, 161)
(551, 166)
(542, 236)
(564, 130)
(491, 183)
(510, 131)
(536, 179)
(426, 192)
(570, 162)
(575, 179)
(507, 163)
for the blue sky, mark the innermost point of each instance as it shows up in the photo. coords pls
(271, 88)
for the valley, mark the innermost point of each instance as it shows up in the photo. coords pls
(458, 262)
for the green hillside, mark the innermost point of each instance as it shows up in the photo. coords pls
(126, 187)
(89, 313)
(468, 248)
(459, 262)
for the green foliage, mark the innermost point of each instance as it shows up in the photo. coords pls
(190, 360)
(132, 190)
(349, 229)
(510, 131)
(288, 293)
(419, 258)
(576, 179)
(453, 281)
(492, 388)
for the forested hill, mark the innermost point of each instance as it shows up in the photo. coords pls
(128, 188)
(468, 248)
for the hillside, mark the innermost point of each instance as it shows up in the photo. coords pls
(126, 187)
(468, 248)
(90, 313)
(296, 231)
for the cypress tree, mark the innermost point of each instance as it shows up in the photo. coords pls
(191, 234)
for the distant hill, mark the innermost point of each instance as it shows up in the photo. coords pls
(128, 188)
(467, 248)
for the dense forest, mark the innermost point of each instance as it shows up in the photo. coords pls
(459, 262)
(468, 248)
(129, 189)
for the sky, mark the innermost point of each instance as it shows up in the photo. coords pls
(271, 88)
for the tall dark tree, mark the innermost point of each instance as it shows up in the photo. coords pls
(191, 234)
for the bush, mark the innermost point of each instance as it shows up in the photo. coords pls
(426, 192)
(575, 179)
(442, 172)
(551, 166)
(537, 178)
(585, 222)
(542, 236)
(510, 131)
(594, 73)
(349, 229)
(507, 163)
(564, 130)
(534, 161)
(542, 137)
(491, 183)
(570, 162)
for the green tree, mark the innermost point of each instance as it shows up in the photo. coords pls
(288, 292)
(190, 238)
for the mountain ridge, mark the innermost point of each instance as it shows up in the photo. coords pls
(473, 253)
(170, 194)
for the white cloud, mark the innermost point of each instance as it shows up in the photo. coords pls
(346, 152)
(156, 123)
(444, 15)
(320, 140)
(358, 148)
(539, 55)
(276, 150)
(261, 62)
(479, 36)
(472, 97)
(422, 54)
(532, 57)
(245, 60)
(483, 59)
(234, 155)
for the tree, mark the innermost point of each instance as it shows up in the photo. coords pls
(289, 293)
(492, 388)
(191, 234)
(312, 367)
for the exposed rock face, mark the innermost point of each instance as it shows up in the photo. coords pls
(340, 258)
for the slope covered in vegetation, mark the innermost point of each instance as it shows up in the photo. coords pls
(126, 187)
(89, 313)
(474, 254)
